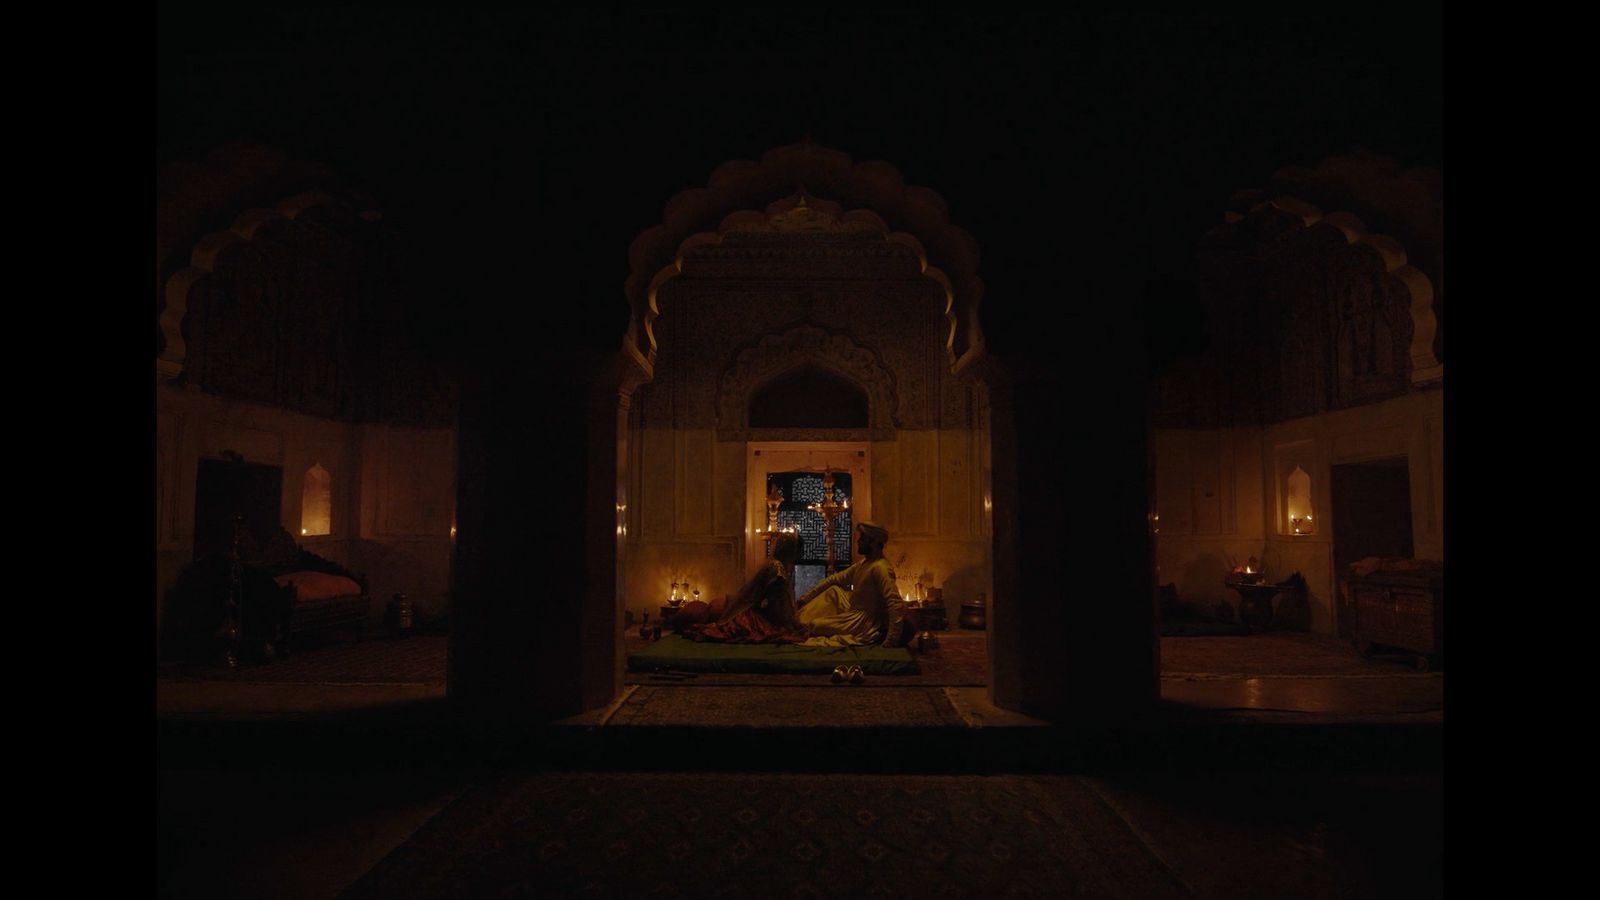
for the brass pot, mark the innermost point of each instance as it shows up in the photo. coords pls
(974, 614)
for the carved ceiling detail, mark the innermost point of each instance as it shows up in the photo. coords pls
(291, 305)
(745, 202)
(203, 259)
(1425, 368)
(1308, 312)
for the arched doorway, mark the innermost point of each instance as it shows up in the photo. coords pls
(780, 320)
(1055, 520)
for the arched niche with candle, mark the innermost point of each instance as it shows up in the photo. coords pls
(1299, 517)
(316, 502)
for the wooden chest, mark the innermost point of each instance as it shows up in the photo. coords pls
(927, 618)
(1404, 610)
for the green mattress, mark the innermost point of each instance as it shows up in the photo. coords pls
(683, 655)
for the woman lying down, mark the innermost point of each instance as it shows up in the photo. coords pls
(858, 606)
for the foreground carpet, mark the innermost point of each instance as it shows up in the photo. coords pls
(959, 659)
(840, 706)
(707, 835)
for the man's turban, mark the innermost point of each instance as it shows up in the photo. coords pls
(873, 529)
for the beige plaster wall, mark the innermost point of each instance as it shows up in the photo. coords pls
(1220, 494)
(393, 489)
(407, 508)
(688, 516)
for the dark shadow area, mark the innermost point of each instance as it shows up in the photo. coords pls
(1372, 511)
(1276, 835)
(809, 397)
(1171, 737)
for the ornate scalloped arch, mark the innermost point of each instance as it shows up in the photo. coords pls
(775, 354)
(740, 187)
(203, 262)
(1425, 367)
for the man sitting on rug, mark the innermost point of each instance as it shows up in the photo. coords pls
(860, 605)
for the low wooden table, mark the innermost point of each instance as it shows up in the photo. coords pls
(1255, 603)
(927, 618)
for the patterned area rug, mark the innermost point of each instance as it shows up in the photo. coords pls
(419, 659)
(959, 660)
(839, 706)
(1284, 655)
(628, 835)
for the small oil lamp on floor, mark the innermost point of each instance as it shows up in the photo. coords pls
(399, 615)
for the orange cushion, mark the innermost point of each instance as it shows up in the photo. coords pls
(318, 585)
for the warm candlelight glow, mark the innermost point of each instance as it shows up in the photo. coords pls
(1297, 502)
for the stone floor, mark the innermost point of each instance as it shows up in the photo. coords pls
(316, 833)
(1266, 676)
(1254, 778)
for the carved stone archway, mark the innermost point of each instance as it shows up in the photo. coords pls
(874, 192)
(821, 193)
(1425, 366)
(203, 260)
(775, 354)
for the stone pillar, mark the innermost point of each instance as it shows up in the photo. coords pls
(609, 401)
(537, 618)
(1072, 623)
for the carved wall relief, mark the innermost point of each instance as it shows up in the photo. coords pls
(805, 346)
(706, 322)
(1372, 331)
(1306, 314)
(291, 306)
(737, 192)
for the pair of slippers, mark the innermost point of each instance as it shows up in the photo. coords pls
(852, 674)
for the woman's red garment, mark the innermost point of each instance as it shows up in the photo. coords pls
(763, 613)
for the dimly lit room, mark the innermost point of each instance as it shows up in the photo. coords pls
(769, 453)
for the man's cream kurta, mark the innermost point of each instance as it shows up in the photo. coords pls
(841, 616)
